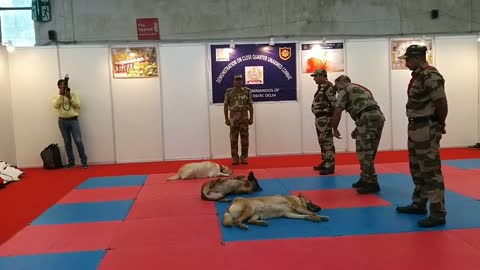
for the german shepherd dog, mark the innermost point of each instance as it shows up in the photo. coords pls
(217, 190)
(256, 210)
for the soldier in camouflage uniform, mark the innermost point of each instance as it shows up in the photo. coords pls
(358, 101)
(427, 110)
(239, 101)
(322, 107)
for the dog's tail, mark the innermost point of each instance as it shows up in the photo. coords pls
(174, 177)
(253, 180)
(227, 219)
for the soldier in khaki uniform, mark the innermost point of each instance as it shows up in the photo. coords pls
(358, 101)
(322, 107)
(427, 110)
(239, 101)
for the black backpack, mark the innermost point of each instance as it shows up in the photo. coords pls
(51, 157)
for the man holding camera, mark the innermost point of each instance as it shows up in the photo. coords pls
(67, 104)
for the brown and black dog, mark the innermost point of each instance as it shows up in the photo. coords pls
(256, 210)
(217, 190)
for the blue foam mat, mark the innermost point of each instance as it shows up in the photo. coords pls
(59, 261)
(113, 181)
(463, 163)
(85, 212)
(396, 188)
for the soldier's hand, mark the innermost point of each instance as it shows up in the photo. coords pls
(442, 129)
(250, 121)
(336, 134)
(227, 122)
(354, 134)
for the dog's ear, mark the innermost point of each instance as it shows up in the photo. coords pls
(300, 195)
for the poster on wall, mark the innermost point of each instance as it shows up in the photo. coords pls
(329, 56)
(400, 46)
(270, 71)
(134, 62)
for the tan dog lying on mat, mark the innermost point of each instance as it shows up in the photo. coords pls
(204, 169)
(216, 190)
(256, 210)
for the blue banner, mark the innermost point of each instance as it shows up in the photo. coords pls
(270, 71)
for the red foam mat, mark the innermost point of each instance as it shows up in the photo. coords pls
(60, 238)
(470, 236)
(343, 198)
(431, 250)
(100, 195)
(177, 257)
(196, 231)
(464, 182)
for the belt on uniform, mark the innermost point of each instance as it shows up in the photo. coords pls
(322, 114)
(71, 118)
(423, 119)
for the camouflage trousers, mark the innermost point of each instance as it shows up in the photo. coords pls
(239, 125)
(425, 166)
(323, 126)
(369, 127)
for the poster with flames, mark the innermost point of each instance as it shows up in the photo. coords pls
(134, 62)
(400, 46)
(328, 55)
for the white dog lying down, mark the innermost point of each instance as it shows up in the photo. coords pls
(204, 169)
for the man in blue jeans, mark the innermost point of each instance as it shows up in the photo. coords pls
(67, 104)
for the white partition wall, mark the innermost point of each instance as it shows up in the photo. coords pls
(88, 71)
(170, 117)
(137, 118)
(185, 101)
(278, 128)
(455, 58)
(33, 79)
(368, 65)
(7, 139)
(398, 87)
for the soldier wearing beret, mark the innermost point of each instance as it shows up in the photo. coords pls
(427, 110)
(238, 100)
(322, 108)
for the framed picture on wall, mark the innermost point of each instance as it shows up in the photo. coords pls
(134, 62)
(326, 55)
(398, 48)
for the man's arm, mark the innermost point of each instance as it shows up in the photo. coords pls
(57, 101)
(337, 114)
(225, 108)
(331, 95)
(441, 109)
(250, 107)
(74, 100)
(434, 84)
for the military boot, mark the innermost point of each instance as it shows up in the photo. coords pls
(359, 183)
(368, 188)
(431, 221)
(319, 167)
(326, 171)
(412, 209)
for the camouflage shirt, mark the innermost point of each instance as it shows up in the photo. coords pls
(324, 99)
(239, 99)
(425, 87)
(355, 98)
